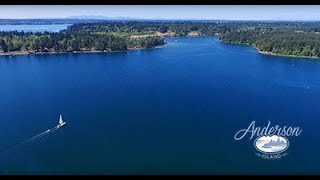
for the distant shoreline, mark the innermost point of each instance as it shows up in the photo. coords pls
(283, 55)
(271, 53)
(20, 53)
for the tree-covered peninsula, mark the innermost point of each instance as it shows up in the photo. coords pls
(280, 38)
(289, 39)
(28, 43)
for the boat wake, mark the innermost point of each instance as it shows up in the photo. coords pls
(38, 136)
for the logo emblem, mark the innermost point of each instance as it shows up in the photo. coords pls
(270, 142)
(271, 145)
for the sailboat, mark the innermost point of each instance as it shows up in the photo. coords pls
(61, 122)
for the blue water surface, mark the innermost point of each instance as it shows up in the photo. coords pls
(34, 27)
(168, 110)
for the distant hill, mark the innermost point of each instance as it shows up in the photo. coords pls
(45, 21)
(95, 19)
(83, 17)
(68, 20)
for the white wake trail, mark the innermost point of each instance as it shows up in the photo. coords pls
(31, 139)
(40, 135)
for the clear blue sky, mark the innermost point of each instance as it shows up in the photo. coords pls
(230, 12)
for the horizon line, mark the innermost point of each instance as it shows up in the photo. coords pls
(136, 18)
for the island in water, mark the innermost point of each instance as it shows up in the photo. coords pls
(297, 39)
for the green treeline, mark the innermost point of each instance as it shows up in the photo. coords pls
(283, 43)
(285, 38)
(298, 39)
(68, 42)
(148, 27)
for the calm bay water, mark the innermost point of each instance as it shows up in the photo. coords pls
(34, 28)
(169, 110)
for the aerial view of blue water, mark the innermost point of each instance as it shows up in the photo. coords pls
(168, 110)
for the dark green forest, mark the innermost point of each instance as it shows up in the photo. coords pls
(68, 42)
(179, 28)
(284, 38)
(298, 39)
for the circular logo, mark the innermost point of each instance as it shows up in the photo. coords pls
(271, 144)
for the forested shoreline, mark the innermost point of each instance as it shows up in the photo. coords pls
(29, 43)
(279, 38)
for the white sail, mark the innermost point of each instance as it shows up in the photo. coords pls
(60, 120)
